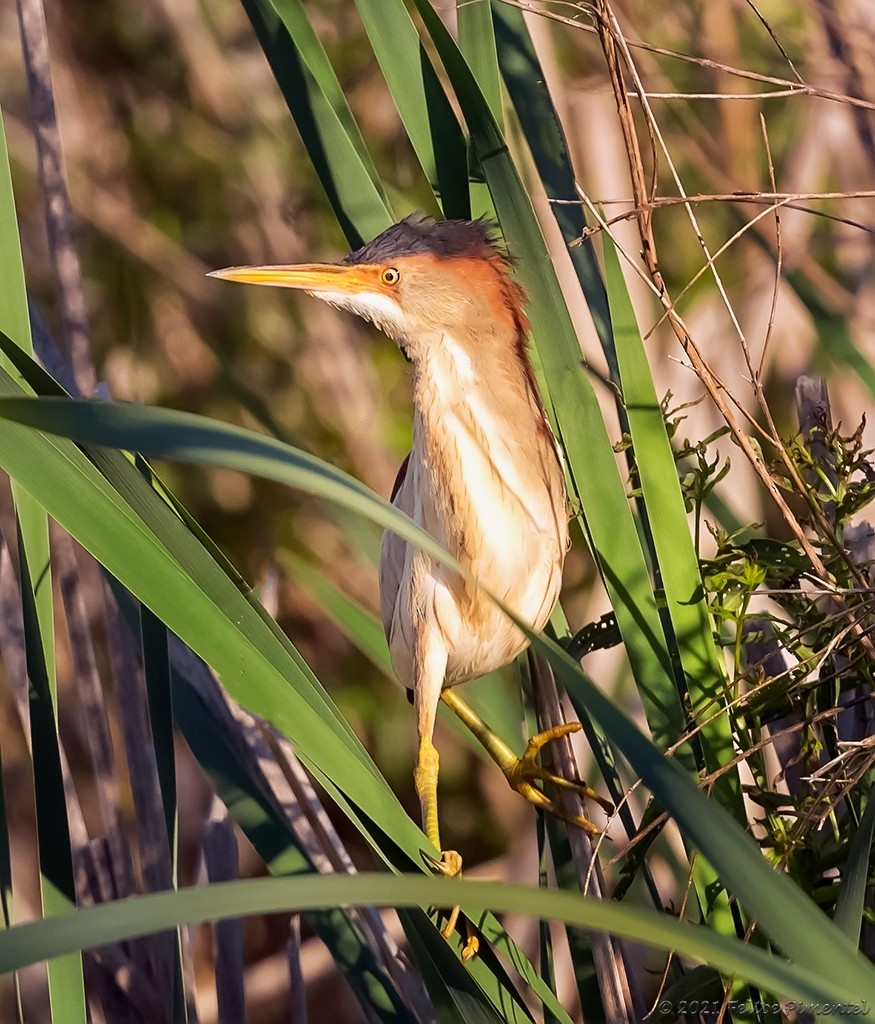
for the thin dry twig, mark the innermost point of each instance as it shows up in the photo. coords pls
(614, 44)
(770, 94)
(709, 265)
(759, 16)
(618, 55)
(779, 266)
(718, 391)
(705, 782)
(790, 200)
(682, 913)
(812, 668)
(789, 85)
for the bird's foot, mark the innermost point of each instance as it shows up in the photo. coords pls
(450, 865)
(523, 773)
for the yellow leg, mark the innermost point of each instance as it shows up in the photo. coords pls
(523, 772)
(450, 863)
(426, 778)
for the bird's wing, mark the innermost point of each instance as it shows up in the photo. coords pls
(393, 554)
(401, 477)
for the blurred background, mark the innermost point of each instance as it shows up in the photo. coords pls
(181, 158)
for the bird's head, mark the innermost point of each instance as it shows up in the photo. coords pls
(417, 281)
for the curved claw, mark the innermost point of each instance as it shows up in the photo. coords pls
(539, 799)
(526, 770)
(450, 866)
(472, 943)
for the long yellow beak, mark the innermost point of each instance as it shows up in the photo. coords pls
(315, 277)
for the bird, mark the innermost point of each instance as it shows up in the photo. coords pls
(485, 478)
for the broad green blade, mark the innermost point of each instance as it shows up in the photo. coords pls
(265, 825)
(783, 911)
(294, 18)
(219, 623)
(702, 665)
(141, 915)
(477, 43)
(356, 623)
(117, 468)
(316, 102)
(422, 103)
(144, 544)
(156, 669)
(606, 510)
(852, 898)
(14, 319)
(456, 998)
(527, 86)
(66, 984)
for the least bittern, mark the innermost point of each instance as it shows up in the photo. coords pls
(484, 478)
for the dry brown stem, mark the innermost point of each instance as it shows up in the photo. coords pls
(619, 60)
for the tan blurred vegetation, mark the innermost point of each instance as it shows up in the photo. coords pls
(182, 158)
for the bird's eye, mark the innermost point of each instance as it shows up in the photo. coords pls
(390, 276)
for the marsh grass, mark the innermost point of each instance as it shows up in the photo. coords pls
(684, 194)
